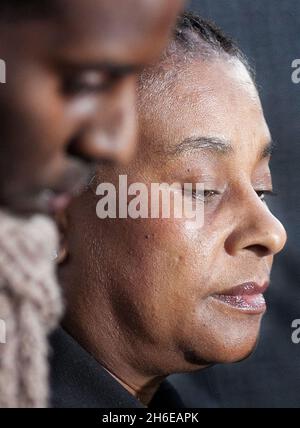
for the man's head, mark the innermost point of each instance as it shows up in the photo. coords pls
(158, 296)
(71, 67)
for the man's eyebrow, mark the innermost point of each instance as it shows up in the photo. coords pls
(215, 144)
(112, 68)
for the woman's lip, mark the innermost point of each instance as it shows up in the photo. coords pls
(250, 304)
(247, 297)
(246, 289)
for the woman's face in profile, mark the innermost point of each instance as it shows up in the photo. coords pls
(188, 296)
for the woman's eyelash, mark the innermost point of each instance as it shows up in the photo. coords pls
(206, 195)
(263, 193)
(210, 193)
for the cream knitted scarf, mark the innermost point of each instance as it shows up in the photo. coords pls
(30, 306)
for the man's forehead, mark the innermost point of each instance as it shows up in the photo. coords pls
(97, 28)
(105, 18)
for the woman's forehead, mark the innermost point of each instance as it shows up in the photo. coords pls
(211, 98)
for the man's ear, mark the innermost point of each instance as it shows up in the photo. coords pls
(62, 252)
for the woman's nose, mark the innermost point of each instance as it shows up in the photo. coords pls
(257, 230)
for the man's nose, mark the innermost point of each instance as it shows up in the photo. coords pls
(111, 130)
(258, 230)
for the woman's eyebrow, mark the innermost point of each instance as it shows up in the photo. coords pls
(190, 144)
(217, 145)
(268, 150)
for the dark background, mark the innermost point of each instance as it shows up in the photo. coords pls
(268, 31)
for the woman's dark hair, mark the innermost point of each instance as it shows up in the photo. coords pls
(194, 37)
(197, 35)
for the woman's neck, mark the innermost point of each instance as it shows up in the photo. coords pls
(144, 393)
(116, 359)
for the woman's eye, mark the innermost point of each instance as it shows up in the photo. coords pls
(206, 195)
(87, 82)
(262, 194)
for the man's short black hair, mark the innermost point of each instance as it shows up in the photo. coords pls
(14, 10)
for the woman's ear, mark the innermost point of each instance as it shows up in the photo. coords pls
(62, 252)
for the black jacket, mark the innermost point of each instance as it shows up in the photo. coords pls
(79, 381)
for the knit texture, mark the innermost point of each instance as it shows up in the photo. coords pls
(30, 306)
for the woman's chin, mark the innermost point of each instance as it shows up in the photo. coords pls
(238, 352)
(223, 354)
(232, 343)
